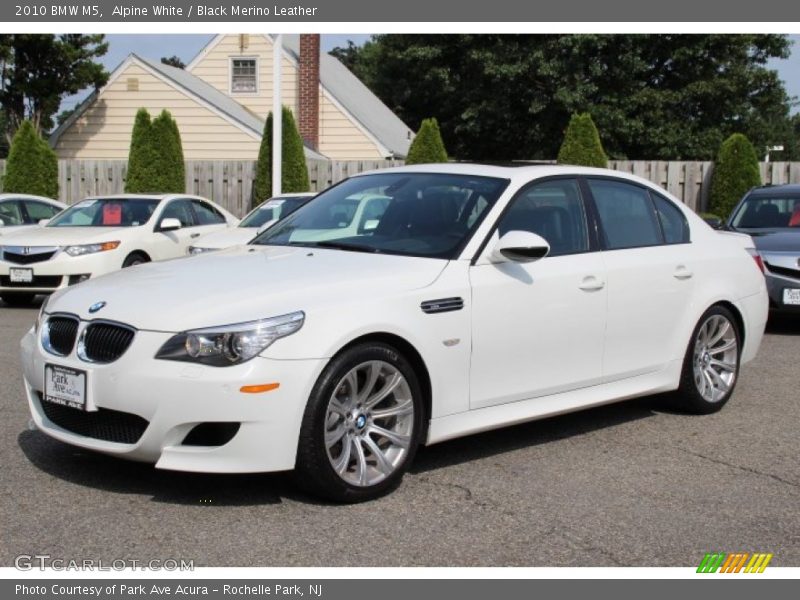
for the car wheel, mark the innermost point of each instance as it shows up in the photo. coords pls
(17, 299)
(133, 259)
(711, 365)
(362, 425)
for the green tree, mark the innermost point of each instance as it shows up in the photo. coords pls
(581, 145)
(142, 163)
(38, 71)
(654, 96)
(32, 166)
(427, 146)
(735, 172)
(168, 150)
(294, 172)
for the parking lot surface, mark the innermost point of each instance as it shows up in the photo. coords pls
(632, 484)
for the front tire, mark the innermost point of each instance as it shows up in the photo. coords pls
(711, 365)
(362, 425)
(133, 259)
(17, 298)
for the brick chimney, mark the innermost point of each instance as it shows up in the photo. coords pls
(308, 89)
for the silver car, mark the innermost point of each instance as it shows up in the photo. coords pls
(771, 215)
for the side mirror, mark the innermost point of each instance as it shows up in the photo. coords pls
(520, 246)
(43, 222)
(169, 224)
(714, 222)
(2, 223)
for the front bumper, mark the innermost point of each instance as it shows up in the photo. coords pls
(775, 286)
(54, 274)
(174, 397)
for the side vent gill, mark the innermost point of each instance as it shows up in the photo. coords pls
(442, 305)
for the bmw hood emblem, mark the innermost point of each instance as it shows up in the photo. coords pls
(96, 306)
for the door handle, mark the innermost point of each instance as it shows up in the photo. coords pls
(194, 235)
(592, 284)
(682, 272)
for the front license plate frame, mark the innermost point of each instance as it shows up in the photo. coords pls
(65, 386)
(16, 275)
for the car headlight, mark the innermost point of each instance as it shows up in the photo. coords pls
(230, 344)
(38, 322)
(198, 250)
(90, 248)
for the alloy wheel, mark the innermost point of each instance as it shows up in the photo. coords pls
(369, 423)
(716, 358)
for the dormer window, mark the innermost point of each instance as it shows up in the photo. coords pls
(244, 76)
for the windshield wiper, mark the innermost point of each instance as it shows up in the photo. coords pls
(344, 246)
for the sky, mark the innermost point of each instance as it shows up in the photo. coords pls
(186, 46)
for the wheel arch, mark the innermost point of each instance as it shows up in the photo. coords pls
(140, 253)
(737, 314)
(410, 352)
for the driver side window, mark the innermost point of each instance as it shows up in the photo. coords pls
(552, 209)
(181, 210)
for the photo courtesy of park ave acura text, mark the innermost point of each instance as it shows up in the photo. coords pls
(399, 299)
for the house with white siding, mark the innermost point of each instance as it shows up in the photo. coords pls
(222, 98)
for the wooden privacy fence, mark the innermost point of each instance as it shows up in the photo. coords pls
(691, 180)
(230, 182)
(227, 182)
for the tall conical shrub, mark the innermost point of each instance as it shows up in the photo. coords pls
(294, 172)
(581, 145)
(142, 160)
(32, 166)
(427, 146)
(735, 172)
(167, 146)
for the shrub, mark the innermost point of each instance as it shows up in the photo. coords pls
(32, 166)
(141, 157)
(735, 172)
(427, 146)
(294, 172)
(166, 140)
(581, 145)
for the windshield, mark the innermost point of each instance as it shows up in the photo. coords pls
(768, 212)
(111, 212)
(412, 214)
(272, 210)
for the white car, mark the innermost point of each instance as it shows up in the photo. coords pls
(484, 296)
(102, 234)
(23, 211)
(257, 220)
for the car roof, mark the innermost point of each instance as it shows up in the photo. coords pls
(144, 197)
(7, 195)
(769, 190)
(292, 195)
(516, 172)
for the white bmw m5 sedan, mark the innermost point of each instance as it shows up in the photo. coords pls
(480, 297)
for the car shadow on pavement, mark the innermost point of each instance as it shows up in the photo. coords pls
(783, 324)
(535, 433)
(94, 470)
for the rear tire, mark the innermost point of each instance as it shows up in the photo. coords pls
(711, 365)
(133, 259)
(17, 298)
(362, 425)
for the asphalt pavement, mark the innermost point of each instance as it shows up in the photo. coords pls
(632, 484)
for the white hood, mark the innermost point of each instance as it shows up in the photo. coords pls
(63, 236)
(225, 238)
(242, 284)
